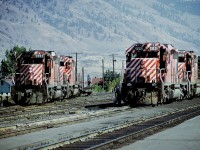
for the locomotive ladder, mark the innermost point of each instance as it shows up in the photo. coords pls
(188, 85)
(162, 83)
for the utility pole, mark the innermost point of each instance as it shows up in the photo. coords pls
(83, 76)
(122, 69)
(103, 72)
(76, 65)
(113, 57)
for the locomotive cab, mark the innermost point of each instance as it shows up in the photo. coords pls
(142, 80)
(29, 77)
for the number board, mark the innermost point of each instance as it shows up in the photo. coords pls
(39, 56)
(138, 48)
(181, 55)
(153, 48)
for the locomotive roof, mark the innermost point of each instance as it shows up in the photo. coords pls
(65, 56)
(37, 51)
(146, 46)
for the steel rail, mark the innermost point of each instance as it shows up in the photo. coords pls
(134, 131)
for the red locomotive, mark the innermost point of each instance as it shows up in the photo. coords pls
(43, 76)
(159, 73)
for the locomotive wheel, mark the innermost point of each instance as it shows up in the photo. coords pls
(130, 99)
(127, 99)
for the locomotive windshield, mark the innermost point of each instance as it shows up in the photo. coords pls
(62, 63)
(33, 60)
(144, 54)
(181, 59)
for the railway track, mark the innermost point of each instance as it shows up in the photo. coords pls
(132, 133)
(9, 113)
(35, 118)
(57, 122)
(164, 117)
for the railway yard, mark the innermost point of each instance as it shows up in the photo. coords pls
(88, 122)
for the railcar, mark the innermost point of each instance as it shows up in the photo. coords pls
(43, 76)
(158, 73)
(67, 77)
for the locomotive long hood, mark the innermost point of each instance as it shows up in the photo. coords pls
(144, 69)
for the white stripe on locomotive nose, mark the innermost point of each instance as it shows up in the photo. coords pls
(27, 76)
(38, 74)
(150, 67)
(61, 73)
(138, 73)
(135, 68)
(23, 68)
(180, 70)
(36, 69)
(130, 65)
(24, 73)
(149, 63)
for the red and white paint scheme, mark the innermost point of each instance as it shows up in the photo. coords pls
(142, 62)
(192, 66)
(32, 73)
(158, 73)
(181, 66)
(67, 69)
(43, 76)
(171, 66)
(142, 67)
(32, 68)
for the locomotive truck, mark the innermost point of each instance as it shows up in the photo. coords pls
(159, 73)
(43, 76)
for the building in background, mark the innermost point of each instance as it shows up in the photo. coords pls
(97, 81)
(5, 86)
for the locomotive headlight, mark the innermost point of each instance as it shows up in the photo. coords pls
(154, 84)
(129, 84)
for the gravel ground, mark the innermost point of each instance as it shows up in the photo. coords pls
(97, 124)
(23, 117)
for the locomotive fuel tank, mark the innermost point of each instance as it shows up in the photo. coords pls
(175, 92)
(197, 91)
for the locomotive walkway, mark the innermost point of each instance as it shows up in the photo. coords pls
(86, 130)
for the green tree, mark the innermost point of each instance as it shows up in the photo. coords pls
(111, 80)
(8, 65)
(112, 84)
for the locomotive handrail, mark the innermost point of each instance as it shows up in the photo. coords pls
(161, 74)
(162, 81)
(47, 83)
(187, 75)
(188, 87)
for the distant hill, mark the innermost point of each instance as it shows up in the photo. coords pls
(98, 28)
